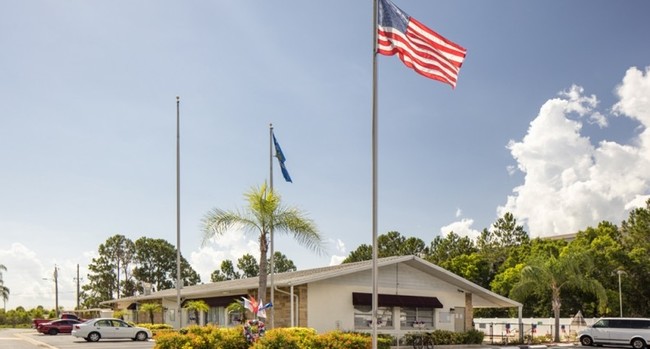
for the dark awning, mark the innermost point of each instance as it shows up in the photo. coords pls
(132, 306)
(392, 300)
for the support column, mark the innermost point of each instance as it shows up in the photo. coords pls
(469, 312)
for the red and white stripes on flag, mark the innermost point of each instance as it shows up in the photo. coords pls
(420, 48)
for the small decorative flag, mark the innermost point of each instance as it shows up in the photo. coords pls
(418, 47)
(281, 159)
(261, 311)
(251, 304)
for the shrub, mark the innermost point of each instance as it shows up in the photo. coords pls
(156, 326)
(443, 337)
(287, 338)
(206, 337)
(473, 337)
(352, 340)
(171, 340)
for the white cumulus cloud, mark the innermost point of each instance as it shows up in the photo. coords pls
(340, 254)
(461, 228)
(231, 245)
(569, 182)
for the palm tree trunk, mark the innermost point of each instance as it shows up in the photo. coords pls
(556, 311)
(261, 291)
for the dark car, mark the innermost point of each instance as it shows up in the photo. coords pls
(57, 326)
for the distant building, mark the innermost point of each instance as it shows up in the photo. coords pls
(565, 237)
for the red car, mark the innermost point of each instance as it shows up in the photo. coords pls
(57, 326)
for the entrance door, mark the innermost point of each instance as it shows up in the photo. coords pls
(459, 319)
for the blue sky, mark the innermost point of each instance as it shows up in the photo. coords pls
(548, 121)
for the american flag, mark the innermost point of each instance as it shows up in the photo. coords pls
(420, 48)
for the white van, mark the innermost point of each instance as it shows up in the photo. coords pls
(618, 331)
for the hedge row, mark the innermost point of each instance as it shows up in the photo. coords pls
(442, 337)
(212, 337)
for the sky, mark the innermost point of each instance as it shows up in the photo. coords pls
(549, 121)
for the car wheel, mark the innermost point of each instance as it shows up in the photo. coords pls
(141, 336)
(53, 331)
(638, 343)
(586, 341)
(94, 337)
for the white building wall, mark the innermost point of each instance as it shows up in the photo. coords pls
(330, 301)
(171, 316)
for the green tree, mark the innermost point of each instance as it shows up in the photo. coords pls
(147, 260)
(197, 307)
(499, 242)
(227, 272)
(156, 264)
(362, 253)
(282, 264)
(150, 308)
(250, 268)
(635, 233)
(101, 282)
(263, 213)
(604, 245)
(248, 265)
(217, 276)
(552, 274)
(119, 250)
(449, 247)
(389, 244)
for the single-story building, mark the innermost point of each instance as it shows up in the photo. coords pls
(413, 294)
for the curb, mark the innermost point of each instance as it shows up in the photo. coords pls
(28, 338)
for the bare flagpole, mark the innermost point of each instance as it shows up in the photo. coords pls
(375, 271)
(271, 267)
(178, 214)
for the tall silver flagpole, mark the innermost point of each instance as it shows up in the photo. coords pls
(375, 271)
(178, 213)
(271, 227)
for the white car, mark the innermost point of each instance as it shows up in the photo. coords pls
(108, 328)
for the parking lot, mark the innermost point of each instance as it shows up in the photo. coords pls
(66, 341)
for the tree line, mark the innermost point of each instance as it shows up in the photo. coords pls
(551, 276)
(125, 268)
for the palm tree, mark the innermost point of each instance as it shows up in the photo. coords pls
(237, 307)
(264, 212)
(551, 273)
(150, 308)
(4, 291)
(197, 307)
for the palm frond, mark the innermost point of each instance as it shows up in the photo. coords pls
(217, 222)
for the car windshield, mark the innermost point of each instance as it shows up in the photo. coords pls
(601, 323)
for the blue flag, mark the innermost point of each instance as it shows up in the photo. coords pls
(281, 159)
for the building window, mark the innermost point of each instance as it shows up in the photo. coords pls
(416, 317)
(363, 317)
(235, 318)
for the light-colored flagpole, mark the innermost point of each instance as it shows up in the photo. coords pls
(178, 213)
(375, 270)
(271, 267)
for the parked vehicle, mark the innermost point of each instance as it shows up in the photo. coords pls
(67, 316)
(109, 328)
(57, 326)
(617, 331)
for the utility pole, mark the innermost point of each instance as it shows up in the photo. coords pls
(78, 293)
(56, 290)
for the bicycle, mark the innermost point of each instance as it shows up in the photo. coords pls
(422, 340)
